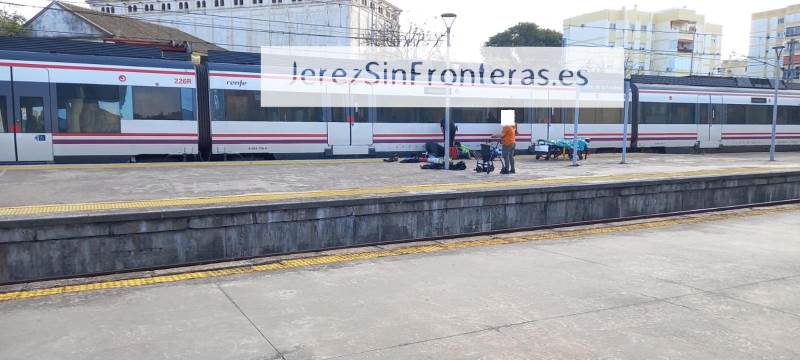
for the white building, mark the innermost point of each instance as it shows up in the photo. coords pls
(246, 25)
(767, 30)
(675, 42)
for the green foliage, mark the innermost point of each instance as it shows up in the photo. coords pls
(11, 24)
(526, 34)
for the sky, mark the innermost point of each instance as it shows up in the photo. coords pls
(478, 20)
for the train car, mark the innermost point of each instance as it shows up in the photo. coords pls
(239, 125)
(712, 112)
(65, 107)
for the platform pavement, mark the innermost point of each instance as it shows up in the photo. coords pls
(719, 287)
(49, 190)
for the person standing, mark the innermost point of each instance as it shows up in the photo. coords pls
(453, 130)
(509, 141)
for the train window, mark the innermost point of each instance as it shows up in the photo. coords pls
(470, 115)
(667, 113)
(563, 115)
(789, 115)
(159, 103)
(339, 114)
(32, 114)
(84, 108)
(654, 113)
(681, 114)
(242, 105)
(713, 117)
(544, 115)
(748, 114)
(601, 115)
(296, 114)
(431, 115)
(397, 115)
(3, 109)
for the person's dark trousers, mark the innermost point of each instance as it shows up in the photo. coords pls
(508, 157)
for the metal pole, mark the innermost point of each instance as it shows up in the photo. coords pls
(575, 128)
(625, 121)
(447, 112)
(775, 108)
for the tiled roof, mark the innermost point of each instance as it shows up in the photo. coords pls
(127, 28)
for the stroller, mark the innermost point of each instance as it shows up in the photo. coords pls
(489, 152)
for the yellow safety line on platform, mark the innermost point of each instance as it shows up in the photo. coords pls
(411, 249)
(353, 192)
(169, 165)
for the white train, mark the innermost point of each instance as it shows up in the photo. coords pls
(67, 107)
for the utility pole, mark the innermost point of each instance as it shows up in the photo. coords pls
(778, 68)
(449, 19)
(626, 116)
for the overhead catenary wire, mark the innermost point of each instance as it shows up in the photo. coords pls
(269, 31)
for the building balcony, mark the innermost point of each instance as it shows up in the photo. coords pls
(683, 26)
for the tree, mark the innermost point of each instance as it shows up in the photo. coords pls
(11, 24)
(526, 34)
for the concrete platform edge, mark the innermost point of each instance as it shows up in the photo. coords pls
(74, 245)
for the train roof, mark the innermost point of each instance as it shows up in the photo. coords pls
(234, 57)
(88, 49)
(711, 81)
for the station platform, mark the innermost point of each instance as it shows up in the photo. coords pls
(61, 221)
(43, 191)
(708, 286)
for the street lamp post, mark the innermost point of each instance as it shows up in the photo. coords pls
(449, 19)
(778, 68)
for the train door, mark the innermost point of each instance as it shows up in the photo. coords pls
(540, 129)
(709, 126)
(32, 125)
(353, 136)
(8, 152)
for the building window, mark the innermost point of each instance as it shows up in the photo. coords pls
(169, 6)
(203, 3)
(163, 7)
(793, 31)
(612, 26)
(780, 21)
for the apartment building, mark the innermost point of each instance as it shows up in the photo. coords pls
(769, 29)
(673, 42)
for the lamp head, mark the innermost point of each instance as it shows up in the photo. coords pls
(448, 19)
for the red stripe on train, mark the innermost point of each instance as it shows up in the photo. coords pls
(122, 142)
(268, 135)
(120, 134)
(96, 68)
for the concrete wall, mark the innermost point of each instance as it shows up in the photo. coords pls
(79, 245)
